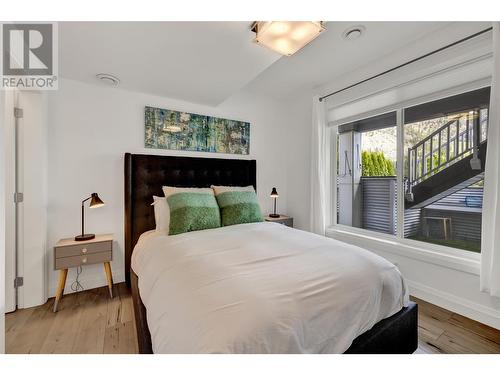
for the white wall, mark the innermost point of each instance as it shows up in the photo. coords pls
(2, 222)
(298, 154)
(90, 129)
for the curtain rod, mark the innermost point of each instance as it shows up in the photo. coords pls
(408, 62)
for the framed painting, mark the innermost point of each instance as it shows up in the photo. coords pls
(174, 130)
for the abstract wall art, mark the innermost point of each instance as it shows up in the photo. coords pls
(185, 131)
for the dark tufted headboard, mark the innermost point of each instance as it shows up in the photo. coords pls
(146, 174)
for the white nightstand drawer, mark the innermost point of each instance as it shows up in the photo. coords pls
(83, 249)
(82, 260)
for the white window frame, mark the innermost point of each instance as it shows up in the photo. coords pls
(450, 257)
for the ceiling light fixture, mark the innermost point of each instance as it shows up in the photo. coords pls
(353, 32)
(286, 37)
(108, 79)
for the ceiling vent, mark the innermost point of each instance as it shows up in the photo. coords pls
(354, 32)
(108, 79)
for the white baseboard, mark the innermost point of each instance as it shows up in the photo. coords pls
(455, 304)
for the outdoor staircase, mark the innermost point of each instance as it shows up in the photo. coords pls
(448, 160)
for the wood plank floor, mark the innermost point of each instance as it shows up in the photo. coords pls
(86, 322)
(91, 322)
(442, 331)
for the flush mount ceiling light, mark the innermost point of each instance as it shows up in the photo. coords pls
(108, 79)
(286, 37)
(353, 32)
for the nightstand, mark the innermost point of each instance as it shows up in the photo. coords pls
(285, 220)
(69, 253)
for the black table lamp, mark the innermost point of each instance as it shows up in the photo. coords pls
(274, 195)
(95, 201)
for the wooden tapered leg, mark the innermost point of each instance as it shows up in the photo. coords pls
(60, 287)
(109, 276)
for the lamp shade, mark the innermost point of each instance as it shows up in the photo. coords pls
(95, 201)
(286, 37)
(274, 193)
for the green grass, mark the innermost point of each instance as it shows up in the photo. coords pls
(459, 244)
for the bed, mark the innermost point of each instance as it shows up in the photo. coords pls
(252, 288)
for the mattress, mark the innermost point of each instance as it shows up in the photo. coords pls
(261, 288)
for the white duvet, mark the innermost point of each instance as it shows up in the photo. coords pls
(261, 288)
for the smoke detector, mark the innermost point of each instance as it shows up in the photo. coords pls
(108, 79)
(353, 32)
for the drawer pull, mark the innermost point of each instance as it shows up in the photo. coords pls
(84, 260)
(84, 250)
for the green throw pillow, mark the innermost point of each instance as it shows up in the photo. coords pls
(238, 205)
(191, 209)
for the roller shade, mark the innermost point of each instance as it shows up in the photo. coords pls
(385, 120)
(453, 104)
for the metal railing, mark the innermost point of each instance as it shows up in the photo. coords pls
(453, 141)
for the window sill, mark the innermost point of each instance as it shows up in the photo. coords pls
(460, 260)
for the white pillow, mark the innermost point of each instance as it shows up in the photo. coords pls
(222, 189)
(170, 190)
(162, 214)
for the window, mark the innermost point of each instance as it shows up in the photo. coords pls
(366, 174)
(442, 151)
(444, 173)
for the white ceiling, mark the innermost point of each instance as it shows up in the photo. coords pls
(332, 56)
(201, 62)
(207, 62)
